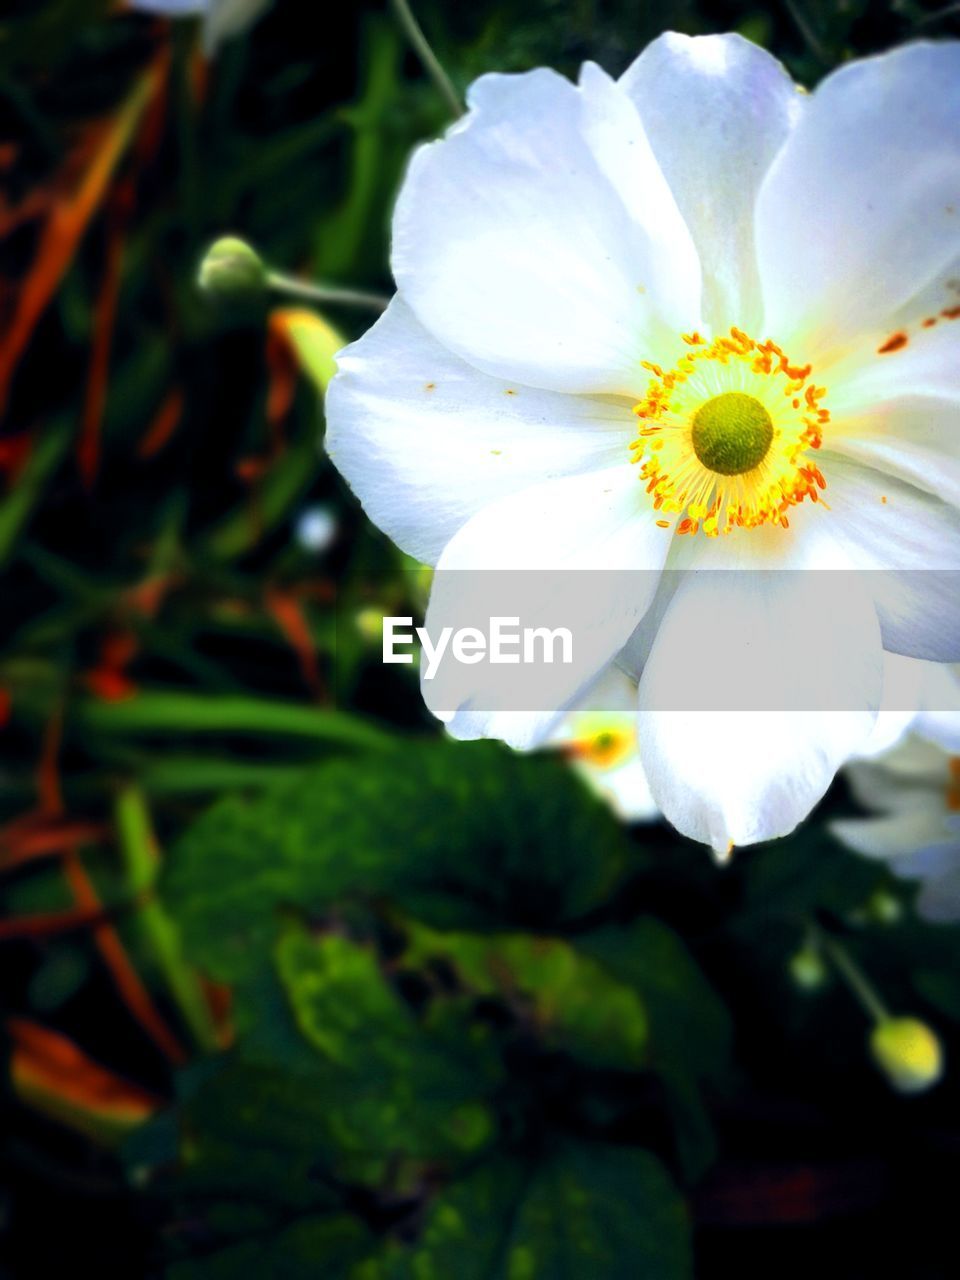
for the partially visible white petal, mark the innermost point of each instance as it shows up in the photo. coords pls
(907, 543)
(222, 18)
(516, 251)
(895, 834)
(592, 555)
(625, 789)
(861, 208)
(613, 692)
(938, 719)
(426, 441)
(939, 900)
(926, 365)
(922, 700)
(228, 18)
(902, 681)
(912, 787)
(616, 137)
(171, 7)
(916, 439)
(716, 110)
(609, 704)
(909, 774)
(738, 776)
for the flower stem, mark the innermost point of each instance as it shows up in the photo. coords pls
(807, 32)
(414, 33)
(326, 294)
(854, 977)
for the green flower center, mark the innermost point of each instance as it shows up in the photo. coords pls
(732, 433)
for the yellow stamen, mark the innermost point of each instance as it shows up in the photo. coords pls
(726, 435)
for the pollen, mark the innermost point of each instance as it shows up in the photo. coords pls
(727, 437)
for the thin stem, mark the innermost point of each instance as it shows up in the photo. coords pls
(325, 293)
(414, 33)
(807, 31)
(854, 977)
(941, 14)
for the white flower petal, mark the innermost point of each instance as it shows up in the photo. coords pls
(912, 771)
(926, 365)
(592, 554)
(895, 834)
(908, 544)
(756, 641)
(716, 110)
(625, 789)
(609, 705)
(902, 679)
(916, 438)
(616, 137)
(861, 208)
(426, 441)
(939, 900)
(515, 250)
(938, 720)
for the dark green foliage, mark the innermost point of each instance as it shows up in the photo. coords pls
(468, 834)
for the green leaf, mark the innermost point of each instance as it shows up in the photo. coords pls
(583, 1211)
(250, 1193)
(690, 1030)
(460, 834)
(571, 1001)
(393, 1085)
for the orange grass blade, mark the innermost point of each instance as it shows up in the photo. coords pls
(291, 619)
(128, 982)
(56, 1077)
(162, 426)
(67, 221)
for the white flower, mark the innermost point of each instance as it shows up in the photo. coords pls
(602, 747)
(914, 788)
(222, 19)
(696, 302)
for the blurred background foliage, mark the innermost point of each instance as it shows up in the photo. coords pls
(291, 985)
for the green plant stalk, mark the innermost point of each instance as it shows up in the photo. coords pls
(138, 850)
(325, 294)
(855, 978)
(431, 63)
(174, 711)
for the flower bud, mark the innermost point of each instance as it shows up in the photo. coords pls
(232, 270)
(807, 968)
(883, 908)
(908, 1053)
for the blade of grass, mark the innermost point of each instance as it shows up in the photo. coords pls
(175, 711)
(140, 854)
(17, 506)
(68, 220)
